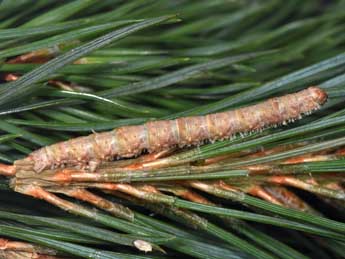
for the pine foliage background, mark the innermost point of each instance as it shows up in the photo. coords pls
(69, 68)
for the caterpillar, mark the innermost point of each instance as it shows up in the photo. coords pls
(153, 136)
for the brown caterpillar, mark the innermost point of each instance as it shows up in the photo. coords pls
(154, 136)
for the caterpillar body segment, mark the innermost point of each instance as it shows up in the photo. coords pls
(153, 136)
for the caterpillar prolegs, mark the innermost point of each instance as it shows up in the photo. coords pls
(158, 135)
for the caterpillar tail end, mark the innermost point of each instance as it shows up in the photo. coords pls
(319, 95)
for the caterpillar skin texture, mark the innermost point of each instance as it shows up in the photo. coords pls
(154, 136)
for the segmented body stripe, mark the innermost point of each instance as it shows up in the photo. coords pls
(158, 135)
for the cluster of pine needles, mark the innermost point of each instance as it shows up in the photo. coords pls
(69, 68)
